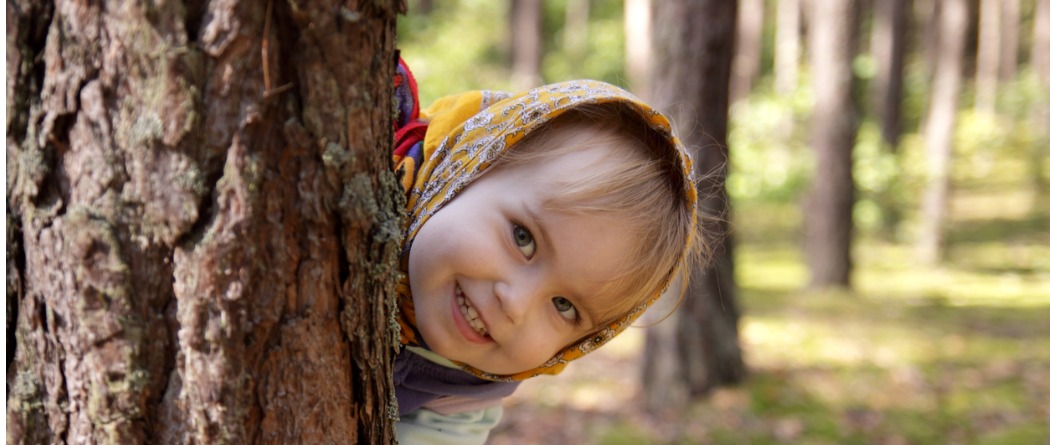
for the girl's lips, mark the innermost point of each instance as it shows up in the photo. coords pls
(464, 327)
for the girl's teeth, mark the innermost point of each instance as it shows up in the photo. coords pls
(470, 313)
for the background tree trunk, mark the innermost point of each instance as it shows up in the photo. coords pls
(206, 227)
(788, 32)
(425, 7)
(988, 51)
(1040, 62)
(1011, 32)
(637, 23)
(889, 45)
(526, 47)
(829, 204)
(747, 62)
(940, 128)
(928, 12)
(1040, 58)
(698, 348)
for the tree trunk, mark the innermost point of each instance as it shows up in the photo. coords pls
(747, 62)
(929, 13)
(889, 39)
(1011, 31)
(1040, 62)
(988, 47)
(694, 48)
(785, 61)
(637, 23)
(425, 7)
(829, 204)
(526, 48)
(1040, 58)
(206, 227)
(940, 127)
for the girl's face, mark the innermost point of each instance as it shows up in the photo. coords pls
(501, 283)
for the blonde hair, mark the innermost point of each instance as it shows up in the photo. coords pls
(638, 182)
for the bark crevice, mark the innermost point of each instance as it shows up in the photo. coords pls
(16, 264)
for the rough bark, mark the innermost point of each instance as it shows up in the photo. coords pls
(829, 203)
(940, 127)
(526, 37)
(889, 39)
(698, 350)
(747, 62)
(785, 60)
(206, 223)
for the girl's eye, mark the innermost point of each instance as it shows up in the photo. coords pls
(523, 239)
(565, 308)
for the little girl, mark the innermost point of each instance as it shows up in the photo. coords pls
(539, 226)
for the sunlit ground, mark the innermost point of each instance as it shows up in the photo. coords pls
(958, 354)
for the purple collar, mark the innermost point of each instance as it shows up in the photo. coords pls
(418, 381)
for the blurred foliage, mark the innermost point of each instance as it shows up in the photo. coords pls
(771, 161)
(603, 51)
(769, 154)
(458, 46)
(463, 45)
(914, 355)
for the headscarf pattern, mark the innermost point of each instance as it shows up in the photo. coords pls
(466, 133)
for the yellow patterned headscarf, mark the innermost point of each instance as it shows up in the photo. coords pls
(466, 134)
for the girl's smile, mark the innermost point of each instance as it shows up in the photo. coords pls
(469, 320)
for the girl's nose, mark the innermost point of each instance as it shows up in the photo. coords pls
(514, 300)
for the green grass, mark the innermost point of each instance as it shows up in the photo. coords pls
(958, 353)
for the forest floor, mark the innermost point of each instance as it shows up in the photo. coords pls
(957, 354)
